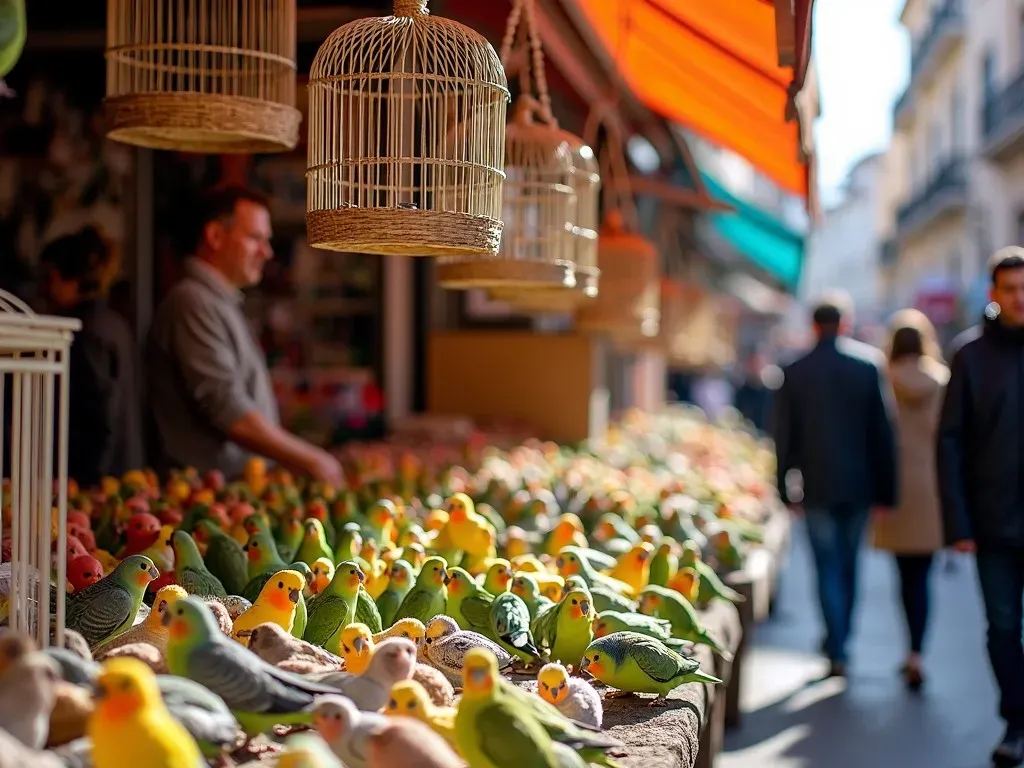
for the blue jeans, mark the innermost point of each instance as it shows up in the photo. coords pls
(836, 534)
(1001, 573)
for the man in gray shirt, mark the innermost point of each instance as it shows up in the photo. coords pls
(209, 388)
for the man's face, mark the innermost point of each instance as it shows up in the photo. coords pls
(240, 245)
(1008, 293)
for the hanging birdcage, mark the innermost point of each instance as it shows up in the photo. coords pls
(406, 138)
(586, 183)
(215, 76)
(539, 202)
(34, 369)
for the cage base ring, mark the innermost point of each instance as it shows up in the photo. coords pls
(403, 232)
(503, 273)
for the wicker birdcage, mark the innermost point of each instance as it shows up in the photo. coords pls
(406, 138)
(586, 182)
(539, 202)
(34, 353)
(214, 76)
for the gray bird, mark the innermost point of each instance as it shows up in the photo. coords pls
(445, 646)
(28, 690)
(345, 729)
(392, 661)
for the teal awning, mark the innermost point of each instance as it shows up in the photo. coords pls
(757, 235)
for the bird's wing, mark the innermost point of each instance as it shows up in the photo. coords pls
(543, 626)
(509, 739)
(96, 618)
(477, 609)
(367, 612)
(417, 603)
(658, 661)
(322, 617)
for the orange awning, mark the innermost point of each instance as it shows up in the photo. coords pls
(712, 66)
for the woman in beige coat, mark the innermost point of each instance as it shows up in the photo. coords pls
(913, 532)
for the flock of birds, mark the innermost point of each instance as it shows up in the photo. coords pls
(334, 636)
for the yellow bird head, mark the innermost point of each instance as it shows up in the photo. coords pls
(568, 564)
(356, 646)
(410, 699)
(124, 687)
(370, 550)
(649, 602)
(500, 573)
(323, 572)
(687, 583)
(410, 628)
(440, 626)
(283, 590)
(435, 520)
(479, 673)
(553, 683)
(460, 507)
(578, 603)
(165, 598)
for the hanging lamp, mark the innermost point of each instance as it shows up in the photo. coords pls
(406, 138)
(630, 296)
(213, 76)
(539, 198)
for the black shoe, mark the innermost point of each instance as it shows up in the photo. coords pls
(836, 669)
(912, 678)
(1010, 752)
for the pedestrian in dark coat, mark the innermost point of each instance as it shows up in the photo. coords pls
(981, 478)
(834, 425)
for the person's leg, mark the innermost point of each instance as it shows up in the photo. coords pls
(1001, 575)
(914, 572)
(851, 537)
(823, 533)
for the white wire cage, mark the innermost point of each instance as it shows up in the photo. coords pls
(34, 360)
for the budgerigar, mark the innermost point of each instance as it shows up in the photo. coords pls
(510, 626)
(345, 728)
(314, 543)
(392, 661)
(275, 604)
(468, 603)
(334, 608)
(409, 699)
(566, 629)
(151, 630)
(574, 697)
(410, 629)
(263, 562)
(608, 622)
(572, 561)
(428, 597)
(356, 647)
(400, 583)
(108, 607)
(635, 663)
(259, 694)
(224, 556)
(634, 567)
(131, 724)
(526, 587)
(190, 571)
(445, 647)
(686, 624)
(604, 598)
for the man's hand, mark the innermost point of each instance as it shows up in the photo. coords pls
(323, 467)
(966, 546)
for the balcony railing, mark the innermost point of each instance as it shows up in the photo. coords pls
(947, 186)
(946, 18)
(1004, 110)
(888, 252)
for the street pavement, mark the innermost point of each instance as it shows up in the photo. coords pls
(792, 718)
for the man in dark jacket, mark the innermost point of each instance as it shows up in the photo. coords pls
(833, 424)
(981, 478)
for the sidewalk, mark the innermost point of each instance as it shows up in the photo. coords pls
(793, 721)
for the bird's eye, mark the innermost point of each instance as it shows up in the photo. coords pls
(280, 585)
(411, 704)
(126, 685)
(430, 640)
(575, 602)
(142, 567)
(87, 574)
(596, 657)
(545, 686)
(345, 648)
(392, 704)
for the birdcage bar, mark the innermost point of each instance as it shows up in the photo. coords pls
(34, 357)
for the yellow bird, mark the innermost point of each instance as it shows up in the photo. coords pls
(323, 572)
(687, 583)
(276, 604)
(464, 524)
(634, 567)
(516, 543)
(435, 520)
(409, 699)
(151, 630)
(411, 629)
(131, 726)
(529, 563)
(356, 647)
(160, 551)
(568, 532)
(378, 577)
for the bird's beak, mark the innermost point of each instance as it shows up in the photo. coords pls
(447, 580)
(362, 576)
(165, 620)
(584, 607)
(293, 595)
(153, 572)
(98, 691)
(359, 644)
(444, 576)
(584, 665)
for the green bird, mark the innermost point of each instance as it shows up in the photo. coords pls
(498, 577)
(510, 627)
(711, 586)
(528, 589)
(108, 607)
(604, 599)
(13, 31)
(302, 608)
(400, 582)
(636, 663)
(349, 543)
(611, 526)
(225, 558)
(665, 603)
(314, 543)
(664, 564)
(468, 603)
(264, 562)
(190, 571)
(608, 622)
(259, 694)
(334, 608)
(572, 561)
(428, 597)
(567, 628)
(289, 538)
(493, 729)
(378, 516)
(367, 612)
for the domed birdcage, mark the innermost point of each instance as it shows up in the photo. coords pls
(539, 206)
(406, 138)
(215, 76)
